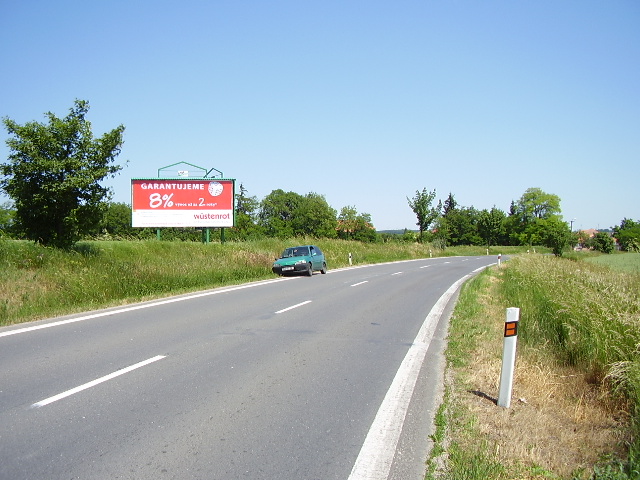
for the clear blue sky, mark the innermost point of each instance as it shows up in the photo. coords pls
(364, 102)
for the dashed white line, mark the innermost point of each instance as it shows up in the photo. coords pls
(397, 273)
(359, 283)
(111, 376)
(293, 306)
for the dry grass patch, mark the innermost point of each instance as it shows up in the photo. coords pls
(559, 421)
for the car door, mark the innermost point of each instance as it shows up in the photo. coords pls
(316, 258)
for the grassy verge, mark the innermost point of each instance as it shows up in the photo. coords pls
(38, 282)
(577, 377)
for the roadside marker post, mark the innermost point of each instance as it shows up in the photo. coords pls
(508, 356)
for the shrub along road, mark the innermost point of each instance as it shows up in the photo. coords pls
(277, 379)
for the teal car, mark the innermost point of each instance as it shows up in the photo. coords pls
(303, 259)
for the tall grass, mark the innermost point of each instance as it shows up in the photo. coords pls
(587, 316)
(577, 319)
(38, 282)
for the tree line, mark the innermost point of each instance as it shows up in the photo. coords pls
(54, 170)
(534, 219)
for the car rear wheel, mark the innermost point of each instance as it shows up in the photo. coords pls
(324, 268)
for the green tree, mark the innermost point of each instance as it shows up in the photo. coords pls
(628, 235)
(556, 234)
(491, 226)
(459, 227)
(117, 220)
(425, 213)
(289, 214)
(450, 205)
(53, 175)
(246, 216)
(526, 222)
(536, 204)
(7, 215)
(314, 217)
(276, 213)
(355, 226)
(602, 242)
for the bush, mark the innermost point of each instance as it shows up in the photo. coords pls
(602, 242)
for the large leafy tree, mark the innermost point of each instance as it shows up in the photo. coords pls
(491, 226)
(314, 217)
(458, 226)
(355, 226)
(602, 242)
(556, 234)
(536, 204)
(528, 216)
(54, 172)
(289, 214)
(277, 211)
(116, 221)
(628, 235)
(425, 213)
(246, 215)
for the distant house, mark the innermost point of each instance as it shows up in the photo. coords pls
(585, 235)
(589, 233)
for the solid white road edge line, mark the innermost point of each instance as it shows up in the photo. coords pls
(379, 448)
(111, 376)
(293, 306)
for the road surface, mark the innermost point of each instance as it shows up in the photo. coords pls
(335, 376)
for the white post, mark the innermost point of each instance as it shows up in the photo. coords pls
(508, 356)
(499, 258)
(350, 261)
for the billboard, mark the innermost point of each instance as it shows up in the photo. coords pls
(164, 202)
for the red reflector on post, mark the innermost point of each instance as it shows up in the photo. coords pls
(510, 329)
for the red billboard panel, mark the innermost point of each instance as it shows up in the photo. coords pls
(203, 202)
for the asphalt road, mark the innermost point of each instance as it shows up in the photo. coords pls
(335, 376)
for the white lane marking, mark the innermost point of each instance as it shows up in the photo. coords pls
(293, 306)
(138, 307)
(479, 269)
(359, 283)
(397, 273)
(111, 376)
(376, 455)
(425, 266)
